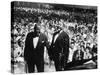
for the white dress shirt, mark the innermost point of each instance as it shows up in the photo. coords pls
(35, 41)
(56, 36)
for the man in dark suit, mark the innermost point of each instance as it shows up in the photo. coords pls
(60, 49)
(34, 50)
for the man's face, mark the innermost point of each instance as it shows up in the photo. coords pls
(65, 29)
(88, 45)
(87, 50)
(37, 30)
(72, 45)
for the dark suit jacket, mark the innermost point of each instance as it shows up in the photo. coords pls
(61, 45)
(31, 53)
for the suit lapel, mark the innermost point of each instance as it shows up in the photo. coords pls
(59, 37)
(39, 40)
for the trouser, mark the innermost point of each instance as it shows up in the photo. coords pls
(39, 64)
(60, 61)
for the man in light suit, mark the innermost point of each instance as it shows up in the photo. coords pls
(34, 50)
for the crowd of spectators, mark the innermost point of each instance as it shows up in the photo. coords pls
(82, 29)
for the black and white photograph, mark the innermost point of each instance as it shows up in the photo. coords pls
(53, 37)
